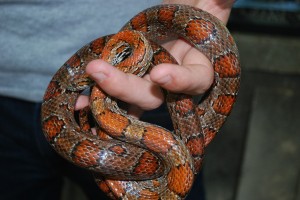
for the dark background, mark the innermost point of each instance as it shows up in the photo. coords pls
(256, 154)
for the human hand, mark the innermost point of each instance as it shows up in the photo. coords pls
(193, 75)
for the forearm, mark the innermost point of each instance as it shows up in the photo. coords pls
(219, 8)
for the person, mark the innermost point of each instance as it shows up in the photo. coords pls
(36, 37)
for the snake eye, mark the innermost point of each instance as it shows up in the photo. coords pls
(129, 51)
(122, 53)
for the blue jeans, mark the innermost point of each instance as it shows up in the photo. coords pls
(31, 169)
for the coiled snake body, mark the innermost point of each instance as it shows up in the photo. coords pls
(133, 159)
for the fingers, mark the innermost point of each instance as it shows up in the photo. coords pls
(194, 76)
(126, 87)
(82, 101)
(190, 78)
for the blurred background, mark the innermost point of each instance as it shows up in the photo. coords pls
(257, 153)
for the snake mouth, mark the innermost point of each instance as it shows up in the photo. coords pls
(121, 147)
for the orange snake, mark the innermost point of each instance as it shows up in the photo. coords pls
(132, 159)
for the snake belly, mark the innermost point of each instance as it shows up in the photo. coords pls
(132, 159)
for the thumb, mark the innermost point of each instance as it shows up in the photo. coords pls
(126, 87)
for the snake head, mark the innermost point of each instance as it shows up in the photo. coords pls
(129, 51)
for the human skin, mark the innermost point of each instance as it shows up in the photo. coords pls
(193, 75)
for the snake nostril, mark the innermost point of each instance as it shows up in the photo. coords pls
(119, 146)
(129, 51)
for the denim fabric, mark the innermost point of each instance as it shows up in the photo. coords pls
(31, 169)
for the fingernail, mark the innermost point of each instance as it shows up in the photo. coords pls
(164, 79)
(99, 76)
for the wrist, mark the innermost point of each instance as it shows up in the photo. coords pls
(219, 8)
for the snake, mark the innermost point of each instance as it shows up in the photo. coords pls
(133, 159)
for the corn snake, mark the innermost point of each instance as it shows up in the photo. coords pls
(133, 159)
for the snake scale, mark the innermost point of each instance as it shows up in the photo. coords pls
(132, 159)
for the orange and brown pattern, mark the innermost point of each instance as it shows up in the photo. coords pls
(132, 159)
